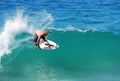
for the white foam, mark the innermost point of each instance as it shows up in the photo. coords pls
(21, 23)
(72, 28)
(13, 26)
(41, 20)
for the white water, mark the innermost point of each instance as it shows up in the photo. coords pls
(12, 27)
(24, 23)
(21, 23)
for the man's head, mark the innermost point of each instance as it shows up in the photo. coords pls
(46, 32)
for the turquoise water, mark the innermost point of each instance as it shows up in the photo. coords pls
(82, 56)
(87, 32)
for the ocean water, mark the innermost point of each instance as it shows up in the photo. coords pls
(87, 31)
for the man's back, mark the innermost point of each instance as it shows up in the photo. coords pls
(39, 32)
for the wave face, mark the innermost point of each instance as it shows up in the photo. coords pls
(87, 32)
(82, 56)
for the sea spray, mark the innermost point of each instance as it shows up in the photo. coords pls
(41, 20)
(73, 28)
(12, 27)
(21, 23)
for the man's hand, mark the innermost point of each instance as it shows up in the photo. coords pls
(36, 43)
(49, 45)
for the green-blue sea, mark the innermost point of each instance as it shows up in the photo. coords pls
(87, 32)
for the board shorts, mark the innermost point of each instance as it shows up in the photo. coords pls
(35, 38)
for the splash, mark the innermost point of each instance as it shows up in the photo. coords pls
(19, 23)
(13, 26)
(72, 28)
(41, 20)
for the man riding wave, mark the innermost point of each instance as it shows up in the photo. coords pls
(39, 34)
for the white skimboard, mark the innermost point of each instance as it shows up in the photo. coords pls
(45, 46)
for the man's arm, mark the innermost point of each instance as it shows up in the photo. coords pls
(38, 40)
(45, 40)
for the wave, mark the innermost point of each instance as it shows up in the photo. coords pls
(23, 23)
(72, 28)
(89, 46)
(12, 27)
(90, 54)
(20, 23)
